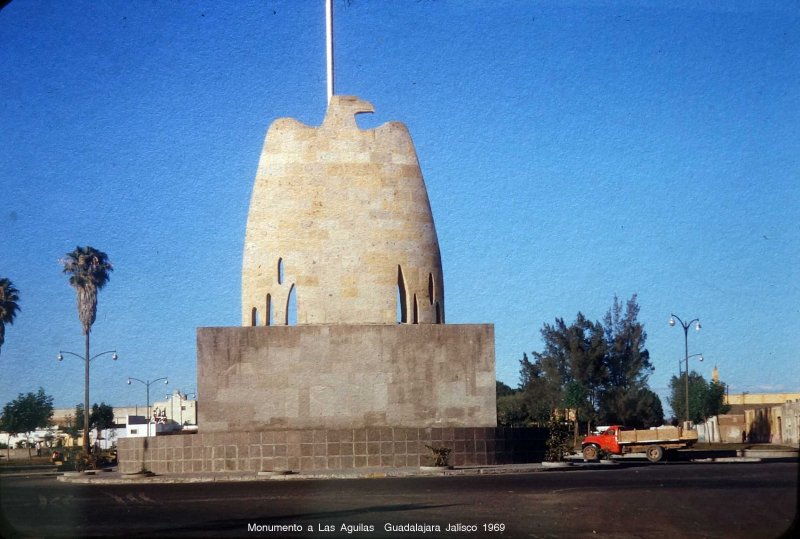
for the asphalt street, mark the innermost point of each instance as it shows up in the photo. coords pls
(747, 500)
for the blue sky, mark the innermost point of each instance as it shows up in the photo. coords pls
(572, 151)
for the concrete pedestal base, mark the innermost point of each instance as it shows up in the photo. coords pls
(345, 377)
(326, 449)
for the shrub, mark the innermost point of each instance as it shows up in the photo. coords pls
(439, 455)
(557, 441)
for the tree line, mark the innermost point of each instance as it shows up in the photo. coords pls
(595, 372)
(706, 399)
(33, 411)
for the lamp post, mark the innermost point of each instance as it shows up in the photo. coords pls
(148, 384)
(86, 360)
(680, 371)
(686, 326)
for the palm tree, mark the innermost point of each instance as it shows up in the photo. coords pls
(89, 271)
(9, 305)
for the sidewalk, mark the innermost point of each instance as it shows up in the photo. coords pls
(115, 477)
(574, 462)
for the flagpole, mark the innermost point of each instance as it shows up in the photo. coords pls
(329, 45)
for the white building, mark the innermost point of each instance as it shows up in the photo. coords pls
(176, 412)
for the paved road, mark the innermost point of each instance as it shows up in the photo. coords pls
(664, 500)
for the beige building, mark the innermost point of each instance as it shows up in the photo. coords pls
(762, 418)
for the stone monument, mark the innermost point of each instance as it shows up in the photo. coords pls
(343, 359)
(340, 216)
(340, 226)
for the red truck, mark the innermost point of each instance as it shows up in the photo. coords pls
(618, 440)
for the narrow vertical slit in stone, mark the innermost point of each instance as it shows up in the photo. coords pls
(402, 307)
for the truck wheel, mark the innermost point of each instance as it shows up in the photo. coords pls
(654, 453)
(590, 452)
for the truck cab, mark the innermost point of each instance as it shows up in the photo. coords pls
(605, 441)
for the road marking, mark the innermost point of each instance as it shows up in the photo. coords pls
(117, 499)
(132, 499)
(44, 501)
(144, 498)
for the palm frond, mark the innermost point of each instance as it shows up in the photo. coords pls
(89, 270)
(9, 301)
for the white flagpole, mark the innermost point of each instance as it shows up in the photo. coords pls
(329, 45)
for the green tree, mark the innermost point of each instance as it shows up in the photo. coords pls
(715, 400)
(78, 420)
(628, 364)
(27, 413)
(572, 364)
(89, 271)
(647, 409)
(511, 410)
(599, 371)
(102, 417)
(502, 389)
(539, 395)
(9, 306)
(705, 399)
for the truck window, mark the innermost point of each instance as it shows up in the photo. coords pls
(610, 432)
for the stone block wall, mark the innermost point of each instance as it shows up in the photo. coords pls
(340, 226)
(326, 449)
(345, 376)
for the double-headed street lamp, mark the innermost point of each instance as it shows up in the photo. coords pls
(680, 371)
(686, 326)
(87, 360)
(148, 383)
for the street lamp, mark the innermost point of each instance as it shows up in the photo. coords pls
(148, 384)
(87, 360)
(699, 356)
(686, 326)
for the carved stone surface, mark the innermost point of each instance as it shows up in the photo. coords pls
(340, 218)
(346, 376)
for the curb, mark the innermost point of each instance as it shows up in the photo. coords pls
(118, 478)
(373, 473)
(30, 474)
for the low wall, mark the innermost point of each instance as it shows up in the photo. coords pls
(321, 449)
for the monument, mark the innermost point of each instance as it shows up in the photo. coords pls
(340, 225)
(343, 359)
